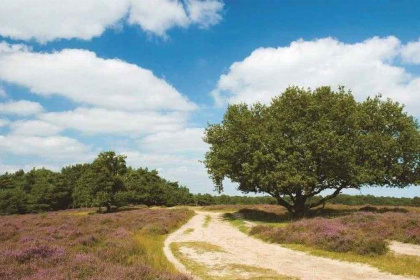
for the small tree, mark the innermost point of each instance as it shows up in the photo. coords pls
(306, 142)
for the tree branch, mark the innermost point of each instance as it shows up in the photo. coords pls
(328, 197)
(281, 201)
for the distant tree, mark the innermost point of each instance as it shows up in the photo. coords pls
(43, 192)
(176, 194)
(416, 201)
(13, 201)
(306, 142)
(100, 184)
(204, 199)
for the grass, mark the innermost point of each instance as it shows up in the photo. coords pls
(395, 264)
(207, 221)
(236, 222)
(228, 271)
(151, 248)
(188, 230)
(200, 247)
(75, 245)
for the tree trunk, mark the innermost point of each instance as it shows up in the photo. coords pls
(108, 208)
(299, 209)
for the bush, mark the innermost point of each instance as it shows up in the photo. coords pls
(363, 233)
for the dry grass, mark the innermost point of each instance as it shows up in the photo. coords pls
(207, 221)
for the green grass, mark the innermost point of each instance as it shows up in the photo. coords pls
(188, 230)
(151, 249)
(236, 222)
(221, 271)
(207, 221)
(151, 252)
(395, 264)
(201, 247)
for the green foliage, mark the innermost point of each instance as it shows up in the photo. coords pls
(99, 185)
(308, 141)
(107, 182)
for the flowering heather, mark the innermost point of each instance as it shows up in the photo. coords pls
(362, 232)
(67, 245)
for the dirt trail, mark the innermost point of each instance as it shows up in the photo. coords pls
(241, 249)
(405, 249)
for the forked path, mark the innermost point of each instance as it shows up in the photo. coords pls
(243, 250)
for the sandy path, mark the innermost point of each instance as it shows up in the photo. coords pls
(244, 250)
(405, 249)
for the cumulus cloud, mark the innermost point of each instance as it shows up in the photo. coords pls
(185, 169)
(48, 20)
(411, 52)
(51, 147)
(158, 16)
(205, 13)
(181, 141)
(20, 108)
(368, 68)
(34, 128)
(85, 78)
(104, 121)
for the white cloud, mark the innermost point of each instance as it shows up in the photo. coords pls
(51, 147)
(11, 168)
(34, 128)
(411, 52)
(186, 170)
(4, 122)
(97, 120)
(20, 108)
(85, 78)
(182, 141)
(367, 68)
(158, 16)
(205, 13)
(48, 20)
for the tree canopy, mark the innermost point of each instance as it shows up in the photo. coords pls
(310, 141)
(106, 182)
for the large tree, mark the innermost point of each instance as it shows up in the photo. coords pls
(307, 142)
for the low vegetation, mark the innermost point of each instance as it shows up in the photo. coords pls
(207, 221)
(362, 233)
(84, 245)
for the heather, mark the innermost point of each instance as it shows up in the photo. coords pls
(361, 232)
(77, 245)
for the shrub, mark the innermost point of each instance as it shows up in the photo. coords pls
(363, 233)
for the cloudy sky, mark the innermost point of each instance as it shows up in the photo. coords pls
(144, 77)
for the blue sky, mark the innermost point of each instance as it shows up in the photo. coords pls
(145, 77)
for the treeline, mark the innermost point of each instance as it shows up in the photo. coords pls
(108, 183)
(105, 183)
(345, 199)
(375, 200)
